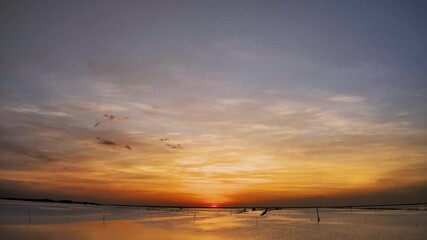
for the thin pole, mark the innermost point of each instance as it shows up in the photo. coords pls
(318, 217)
(29, 215)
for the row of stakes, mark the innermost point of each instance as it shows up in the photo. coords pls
(194, 217)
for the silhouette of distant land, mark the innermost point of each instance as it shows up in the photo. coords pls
(51, 201)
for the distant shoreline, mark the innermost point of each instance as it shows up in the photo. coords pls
(371, 206)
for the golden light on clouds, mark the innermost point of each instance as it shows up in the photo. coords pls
(275, 150)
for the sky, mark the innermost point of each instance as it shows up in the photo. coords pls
(258, 103)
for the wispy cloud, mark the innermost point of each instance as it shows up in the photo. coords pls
(346, 99)
(37, 110)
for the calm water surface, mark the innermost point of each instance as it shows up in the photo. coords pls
(72, 221)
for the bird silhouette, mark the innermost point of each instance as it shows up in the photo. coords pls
(110, 117)
(175, 146)
(97, 123)
(105, 141)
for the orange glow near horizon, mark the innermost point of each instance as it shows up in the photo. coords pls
(228, 175)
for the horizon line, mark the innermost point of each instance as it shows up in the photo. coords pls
(218, 207)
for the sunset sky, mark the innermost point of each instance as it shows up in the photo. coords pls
(275, 103)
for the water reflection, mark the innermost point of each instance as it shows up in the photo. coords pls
(61, 221)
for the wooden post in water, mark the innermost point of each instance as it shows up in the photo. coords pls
(29, 215)
(194, 217)
(318, 217)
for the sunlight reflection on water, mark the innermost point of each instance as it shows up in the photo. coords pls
(69, 221)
